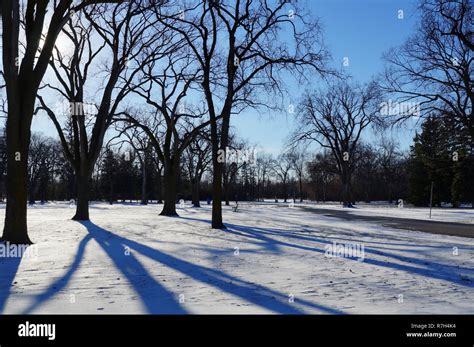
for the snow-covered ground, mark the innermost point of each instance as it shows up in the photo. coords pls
(271, 259)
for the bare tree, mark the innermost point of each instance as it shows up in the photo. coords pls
(42, 161)
(263, 166)
(456, 18)
(22, 79)
(240, 49)
(123, 32)
(390, 160)
(335, 119)
(176, 121)
(237, 155)
(433, 71)
(322, 172)
(139, 142)
(366, 172)
(281, 168)
(197, 160)
(298, 160)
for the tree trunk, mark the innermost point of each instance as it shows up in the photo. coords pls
(18, 142)
(196, 187)
(226, 194)
(16, 230)
(170, 175)
(44, 190)
(346, 191)
(82, 193)
(301, 190)
(159, 189)
(31, 193)
(144, 195)
(111, 191)
(217, 196)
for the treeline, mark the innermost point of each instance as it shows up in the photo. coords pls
(440, 158)
(117, 176)
(162, 82)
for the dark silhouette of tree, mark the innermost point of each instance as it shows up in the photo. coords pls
(432, 72)
(323, 171)
(241, 52)
(173, 121)
(109, 171)
(263, 167)
(430, 161)
(455, 18)
(42, 161)
(123, 32)
(281, 168)
(298, 162)
(235, 158)
(335, 119)
(23, 76)
(197, 159)
(442, 156)
(392, 168)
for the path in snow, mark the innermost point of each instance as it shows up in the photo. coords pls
(429, 226)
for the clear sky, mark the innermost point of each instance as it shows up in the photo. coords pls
(361, 30)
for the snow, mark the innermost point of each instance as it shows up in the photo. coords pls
(271, 259)
(446, 214)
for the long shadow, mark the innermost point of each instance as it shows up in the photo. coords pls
(373, 249)
(9, 267)
(427, 269)
(385, 236)
(251, 292)
(62, 282)
(156, 298)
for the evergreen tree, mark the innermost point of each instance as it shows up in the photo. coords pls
(462, 189)
(430, 162)
(109, 171)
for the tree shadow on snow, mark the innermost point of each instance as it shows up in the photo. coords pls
(156, 298)
(250, 292)
(8, 268)
(62, 282)
(419, 267)
(266, 238)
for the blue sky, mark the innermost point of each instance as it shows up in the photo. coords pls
(361, 30)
